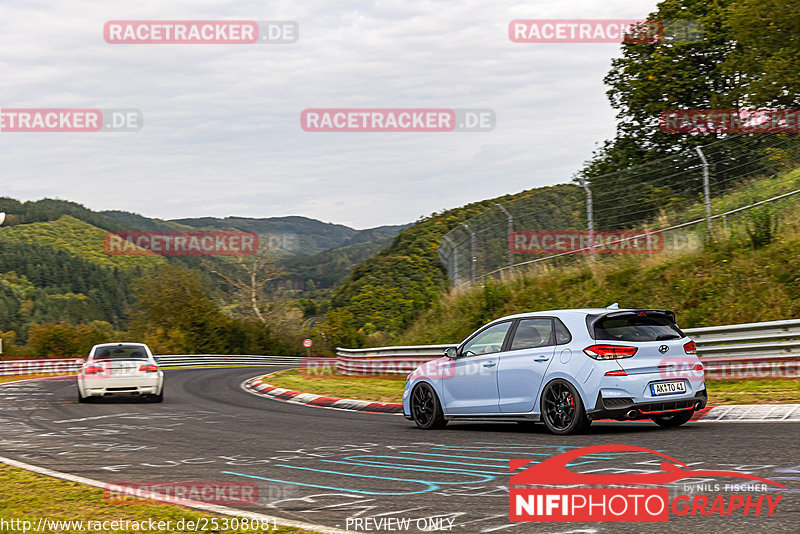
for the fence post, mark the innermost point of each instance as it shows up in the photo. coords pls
(510, 231)
(706, 189)
(471, 250)
(589, 215)
(454, 257)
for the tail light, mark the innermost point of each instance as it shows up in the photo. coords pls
(690, 348)
(149, 368)
(618, 372)
(609, 352)
(697, 367)
(93, 370)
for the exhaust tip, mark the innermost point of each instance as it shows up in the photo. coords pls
(630, 414)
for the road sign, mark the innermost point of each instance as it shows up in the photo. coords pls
(307, 343)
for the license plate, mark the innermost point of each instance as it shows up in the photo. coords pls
(120, 371)
(668, 388)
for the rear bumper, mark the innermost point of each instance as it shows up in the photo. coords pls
(100, 387)
(625, 409)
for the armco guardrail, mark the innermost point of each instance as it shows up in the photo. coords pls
(221, 360)
(72, 365)
(752, 350)
(385, 360)
(767, 349)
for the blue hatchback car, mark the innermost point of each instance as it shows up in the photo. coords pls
(565, 368)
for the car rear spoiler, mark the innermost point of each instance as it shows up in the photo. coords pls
(592, 319)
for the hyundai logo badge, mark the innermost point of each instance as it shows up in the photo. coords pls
(663, 348)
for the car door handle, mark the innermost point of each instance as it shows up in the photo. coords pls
(541, 358)
(489, 364)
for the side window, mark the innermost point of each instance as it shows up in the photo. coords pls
(532, 333)
(562, 333)
(487, 342)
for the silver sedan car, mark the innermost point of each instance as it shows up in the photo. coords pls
(121, 369)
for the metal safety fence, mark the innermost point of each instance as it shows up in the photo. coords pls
(53, 366)
(731, 352)
(672, 204)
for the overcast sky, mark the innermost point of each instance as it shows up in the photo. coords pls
(222, 131)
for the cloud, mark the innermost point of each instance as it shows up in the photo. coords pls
(221, 131)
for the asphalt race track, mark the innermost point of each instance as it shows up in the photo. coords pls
(324, 466)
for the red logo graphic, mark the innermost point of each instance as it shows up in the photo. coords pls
(623, 503)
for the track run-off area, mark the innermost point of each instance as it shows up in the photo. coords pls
(356, 471)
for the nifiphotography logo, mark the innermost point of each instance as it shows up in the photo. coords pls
(638, 497)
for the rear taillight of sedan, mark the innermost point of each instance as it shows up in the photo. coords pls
(93, 370)
(149, 368)
(609, 352)
(690, 348)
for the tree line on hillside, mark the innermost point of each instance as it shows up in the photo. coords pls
(749, 56)
(49, 209)
(383, 295)
(55, 304)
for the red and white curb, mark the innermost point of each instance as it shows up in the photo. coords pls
(257, 387)
(753, 413)
(740, 413)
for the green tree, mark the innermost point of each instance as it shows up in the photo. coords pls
(768, 35)
(173, 310)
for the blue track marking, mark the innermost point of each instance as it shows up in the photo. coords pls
(444, 462)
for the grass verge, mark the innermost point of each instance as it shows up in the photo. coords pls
(346, 387)
(29, 496)
(762, 391)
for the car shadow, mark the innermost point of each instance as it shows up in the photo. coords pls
(598, 428)
(120, 399)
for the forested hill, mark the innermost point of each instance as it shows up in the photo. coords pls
(386, 292)
(54, 269)
(295, 234)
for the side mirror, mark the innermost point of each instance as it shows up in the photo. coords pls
(451, 353)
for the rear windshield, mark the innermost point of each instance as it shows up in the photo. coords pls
(654, 327)
(121, 352)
